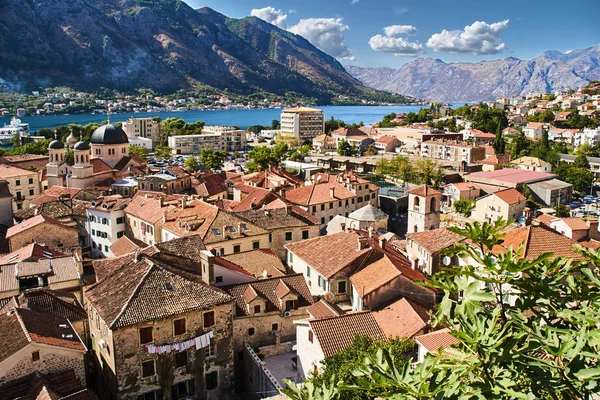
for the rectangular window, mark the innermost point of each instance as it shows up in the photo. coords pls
(35, 356)
(236, 248)
(211, 380)
(121, 220)
(256, 245)
(209, 319)
(288, 236)
(290, 305)
(330, 206)
(31, 192)
(210, 350)
(314, 209)
(342, 287)
(322, 207)
(120, 234)
(322, 220)
(275, 327)
(319, 280)
(17, 182)
(105, 248)
(182, 390)
(257, 309)
(340, 203)
(310, 336)
(308, 271)
(270, 237)
(147, 368)
(250, 331)
(179, 327)
(181, 359)
(218, 279)
(30, 181)
(304, 235)
(146, 335)
(93, 232)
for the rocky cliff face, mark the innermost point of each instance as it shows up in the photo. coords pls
(436, 80)
(159, 44)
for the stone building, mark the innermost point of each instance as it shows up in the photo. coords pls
(35, 341)
(106, 223)
(424, 204)
(168, 180)
(43, 230)
(23, 184)
(327, 195)
(265, 313)
(288, 224)
(145, 318)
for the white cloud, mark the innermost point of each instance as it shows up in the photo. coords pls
(271, 15)
(400, 10)
(395, 46)
(325, 33)
(477, 38)
(354, 1)
(400, 30)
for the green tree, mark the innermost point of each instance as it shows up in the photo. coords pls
(581, 161)
(371, 150)
(545, 346)
(212, 159)
(562, 211)
(69, 156)
(499, 144)
(519, 146)
(163, 152)
(275, 124)
(192, 164)
(428, 172)
(465, 207)
(263, 157)
(140, 151)
(344, 148)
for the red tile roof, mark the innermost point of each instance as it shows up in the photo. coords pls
(374, 275)
(510, 196)
(32, 252)
(324, 309)
(537, 240)
(435, 240)
(434, 341)
(403, 318)
(336, 333)
(511, 175)
(125, 245)
(33, 222)
(424, 191)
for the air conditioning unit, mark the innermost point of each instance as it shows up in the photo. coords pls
(287, 313)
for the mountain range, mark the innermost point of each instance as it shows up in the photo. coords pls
(436, 80)
(160, 44)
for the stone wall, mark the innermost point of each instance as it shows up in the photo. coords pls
(129, 354)
(51, 360)
(278, 238)
(48, 234)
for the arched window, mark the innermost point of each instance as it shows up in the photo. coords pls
(417, 201)
(432, 205)
(416, 229)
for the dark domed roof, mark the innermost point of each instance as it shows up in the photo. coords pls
(56, 145)
(109, 134)
(81, 146)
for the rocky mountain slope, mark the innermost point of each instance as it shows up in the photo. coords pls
(436, 80)
(159, 44)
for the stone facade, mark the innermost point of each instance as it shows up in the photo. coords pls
(119, 358)
(51, 359)
(278, 237)
(423, 212)
(51, 235)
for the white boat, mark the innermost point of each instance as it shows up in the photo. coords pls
(9, 130)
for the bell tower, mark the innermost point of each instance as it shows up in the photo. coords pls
(423, 209)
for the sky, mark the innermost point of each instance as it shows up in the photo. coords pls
(390, 33)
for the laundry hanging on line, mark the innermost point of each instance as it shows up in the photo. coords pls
(200, 342)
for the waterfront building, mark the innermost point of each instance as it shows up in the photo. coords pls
(302, 123)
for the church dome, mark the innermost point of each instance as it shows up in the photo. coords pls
(72, 139)
(56, 145)
(109, 134)
(81, 146)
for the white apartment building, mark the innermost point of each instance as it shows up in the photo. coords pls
(212, 137)
(106, 223)
(142, 127)
(302, 122)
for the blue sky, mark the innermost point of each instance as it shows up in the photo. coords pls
(354, 33)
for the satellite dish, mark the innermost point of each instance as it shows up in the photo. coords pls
(446, 260)
(329, 296)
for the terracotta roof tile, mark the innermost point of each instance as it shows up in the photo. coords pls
(403, 318)
(324, 309)
(576, 223)
(424, 190)
(434, 341)
(33, 222)
(336, 333)
(510, 196)
(435, 240)
(125, 245)
(58, 270)
(51, 302)
(149, 290)
(280, 218)
(374, 275)
(537, 240)
(266, 289)
(7, 171)
(31, 252)
(63, 385)
(329, 254)
(258, 263)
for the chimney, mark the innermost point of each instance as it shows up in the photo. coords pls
(164, 219)
(370, 230)
(160, 201)
(362, 243)
(288, 209)
(343, 226)
(593, 232)
(240, 228)
(527, 215)
(382, 242)
(224, 232)
(183, 203)
(332, 192)
(207, 267)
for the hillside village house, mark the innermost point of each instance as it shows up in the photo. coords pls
(24, 185)
(168, 180)
(145, 214)
(106, 223)
(460, 191)
(154, 325)
(265, 312)
(324, 337)
(43, 230)
(223, 232)
(326, 195)
(531, 164)
(424, 249)
(247, 266)
(507, 204)
(452, 150)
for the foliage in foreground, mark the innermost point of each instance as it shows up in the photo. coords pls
(546, 346)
